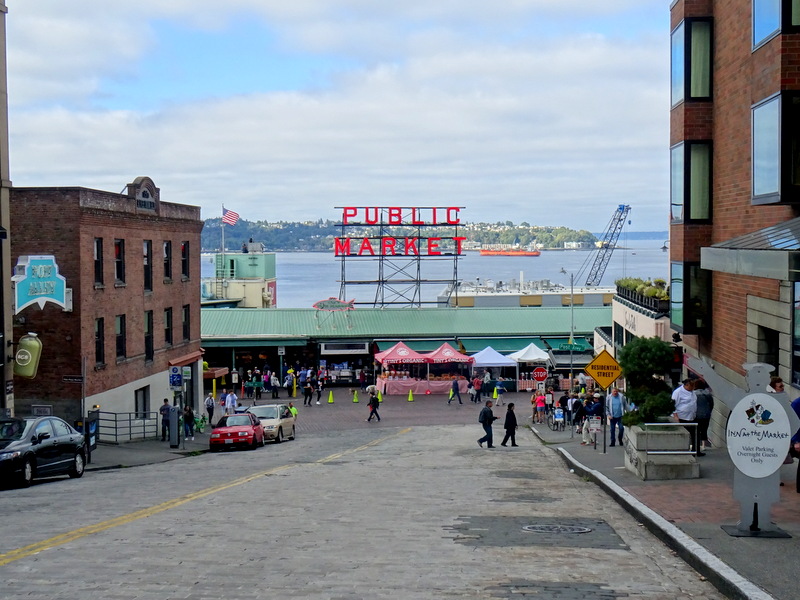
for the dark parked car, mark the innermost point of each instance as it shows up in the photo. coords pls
(39, 447)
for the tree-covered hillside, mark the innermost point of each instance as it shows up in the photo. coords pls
(318, 235)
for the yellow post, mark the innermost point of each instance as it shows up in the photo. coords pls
(494, 394)
(355, 396)
(380, 396)
(330, 397)
(410, 396)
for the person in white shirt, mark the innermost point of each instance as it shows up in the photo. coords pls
(686, 409)
(230, 403)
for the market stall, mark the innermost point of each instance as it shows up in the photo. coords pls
(396, 376)
(490, 359)
(530, 354)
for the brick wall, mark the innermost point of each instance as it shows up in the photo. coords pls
(64, 222)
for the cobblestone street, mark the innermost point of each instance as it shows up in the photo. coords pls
(417, 512)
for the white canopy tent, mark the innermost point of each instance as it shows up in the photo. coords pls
(529, 354)
(489, 357)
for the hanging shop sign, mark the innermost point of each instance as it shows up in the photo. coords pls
(36, 281)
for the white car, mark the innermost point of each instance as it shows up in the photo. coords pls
(277, 420)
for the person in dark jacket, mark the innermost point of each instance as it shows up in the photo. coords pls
(486, 418)
(510, 426)
(373, 406)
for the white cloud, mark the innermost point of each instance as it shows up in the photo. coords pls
(551, 131)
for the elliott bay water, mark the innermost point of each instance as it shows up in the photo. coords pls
(305, 277)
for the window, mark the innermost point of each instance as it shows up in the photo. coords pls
(168, 326)
(187, 332)
(185, 260)
(690, 181)
(147, 258)
(119, 261)
(690, 298)
(119, 331)
(691, 61)
(99, 341)
(141, 400)
(770, 17)
(168, 260)
(61, 428)
(796, 336)
(98, 261)
(776, 149)
(148, 335)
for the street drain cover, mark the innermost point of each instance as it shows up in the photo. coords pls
(556, 528)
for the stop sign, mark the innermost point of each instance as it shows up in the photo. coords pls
(540, 373)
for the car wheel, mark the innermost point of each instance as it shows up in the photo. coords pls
(254, 445)
(78, 466)
(26, 477)
(279, 436)
(263, 441)
(293, 433)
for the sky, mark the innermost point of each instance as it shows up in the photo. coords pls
(551, 112)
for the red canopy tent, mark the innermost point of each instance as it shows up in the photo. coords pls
(402, 354)
(446, 353)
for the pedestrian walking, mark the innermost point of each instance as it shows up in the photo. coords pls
(471, 391)
(209, 404)
(164, 411)
(373, 407)
(230, 403)
(615, 408)
(487, 378)
(320, 387)
(188, 422)
(705, 406)
(454, 392)
(308, 392)
(486, 418)
(510, 426)
(686, 410)
(275, 384)
(477, 383)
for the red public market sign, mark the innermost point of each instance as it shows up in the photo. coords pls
(398, 216)
(540, 373)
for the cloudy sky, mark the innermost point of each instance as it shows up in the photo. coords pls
(546, 111)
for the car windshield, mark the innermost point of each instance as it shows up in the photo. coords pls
(234, 421)
(265, 412)
(12, 429)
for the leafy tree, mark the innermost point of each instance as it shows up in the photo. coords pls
(644, 363)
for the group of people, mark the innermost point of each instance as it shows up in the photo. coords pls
(486, 418)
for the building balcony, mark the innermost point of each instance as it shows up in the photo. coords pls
(647, 302)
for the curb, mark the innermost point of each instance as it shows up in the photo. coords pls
(718, 573)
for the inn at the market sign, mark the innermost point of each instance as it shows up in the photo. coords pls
(381, 241)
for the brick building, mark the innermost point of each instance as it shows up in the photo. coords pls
(735, 172)
(131, 264)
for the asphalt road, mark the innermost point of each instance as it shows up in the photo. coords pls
(366, 512)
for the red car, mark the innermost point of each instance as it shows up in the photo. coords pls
(242, 429)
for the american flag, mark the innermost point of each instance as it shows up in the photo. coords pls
(229, 217)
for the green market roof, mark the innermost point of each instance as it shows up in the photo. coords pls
(296, 326)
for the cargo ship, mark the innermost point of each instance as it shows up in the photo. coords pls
(487, 252)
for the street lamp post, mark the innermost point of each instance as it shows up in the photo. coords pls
(571, 326)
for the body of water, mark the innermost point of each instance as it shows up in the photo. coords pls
(305, 277)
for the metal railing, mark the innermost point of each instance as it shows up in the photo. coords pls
(672, 452)
(116, 428)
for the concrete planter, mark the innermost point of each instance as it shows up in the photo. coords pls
(647, 453)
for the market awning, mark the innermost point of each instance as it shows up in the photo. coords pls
(214, 372)
(771, 252)
(506, 345)
(252, 342)
(186, 359)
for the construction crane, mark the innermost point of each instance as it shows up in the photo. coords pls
(607, 245)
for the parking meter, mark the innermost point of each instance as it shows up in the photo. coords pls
(174, 430)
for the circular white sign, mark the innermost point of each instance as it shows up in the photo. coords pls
(758, 435)
(23, 357)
